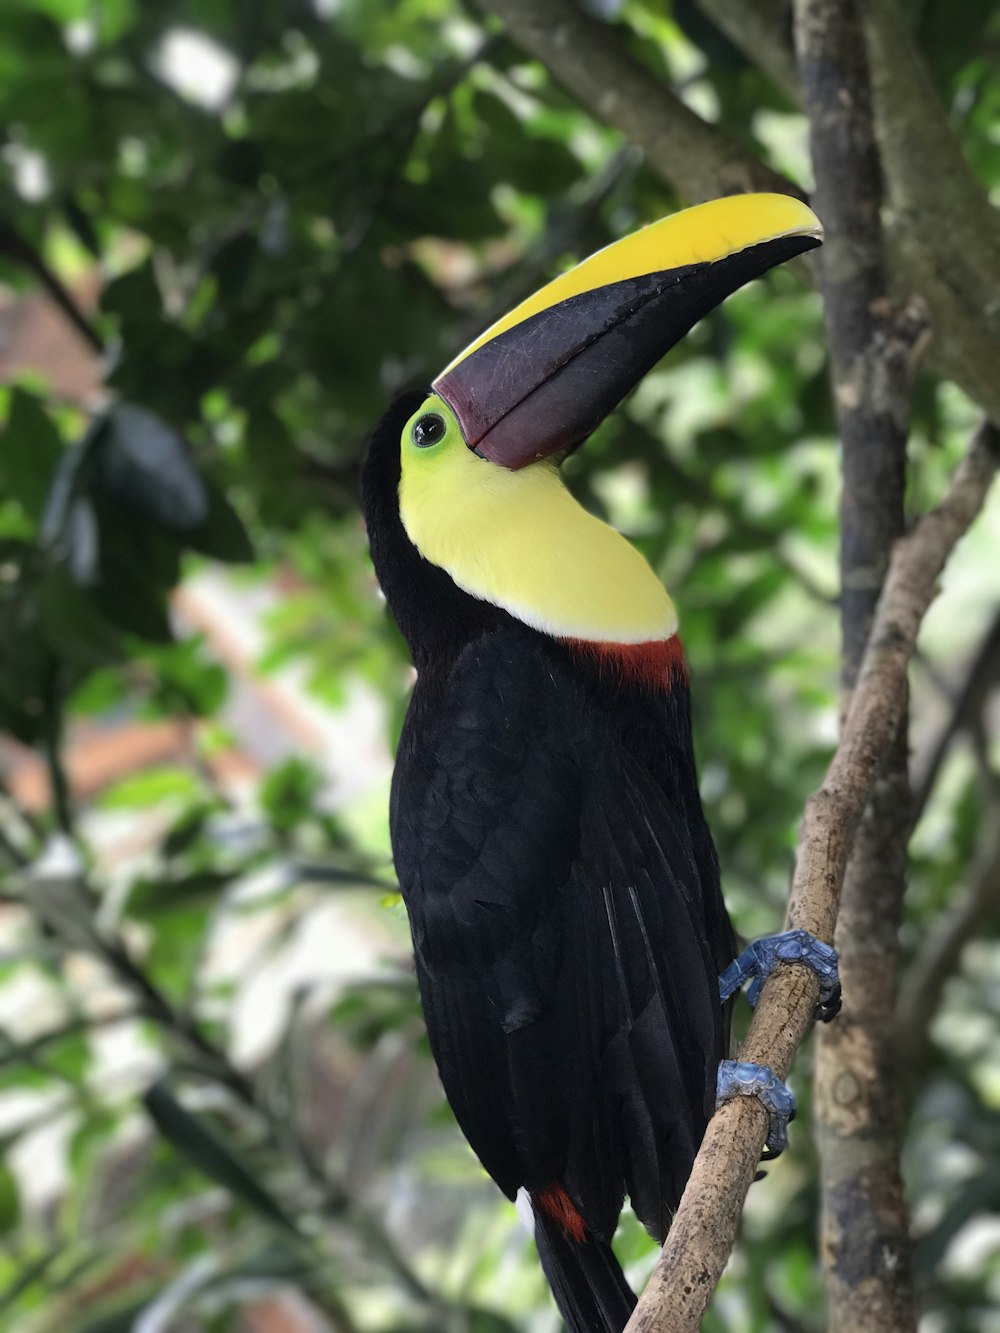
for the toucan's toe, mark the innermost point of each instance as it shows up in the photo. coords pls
(762, 957)
(740, 1078)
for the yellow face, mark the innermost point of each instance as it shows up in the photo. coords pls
(519, 540)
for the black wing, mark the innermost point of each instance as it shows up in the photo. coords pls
(567, 979)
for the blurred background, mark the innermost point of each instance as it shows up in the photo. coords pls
(230, 233)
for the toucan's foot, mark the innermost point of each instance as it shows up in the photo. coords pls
(737, 1078)
(794, 946)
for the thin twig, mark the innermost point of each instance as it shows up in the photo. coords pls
(19, 251)
(980, 679)
(940, 954)
(52, 738)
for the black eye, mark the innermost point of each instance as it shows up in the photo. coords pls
(428, 430)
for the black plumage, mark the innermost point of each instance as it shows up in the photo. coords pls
(563, 895)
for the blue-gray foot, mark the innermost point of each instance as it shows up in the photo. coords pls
(739, 1078)
(793, 946)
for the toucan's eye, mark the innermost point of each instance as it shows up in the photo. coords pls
(427, 430)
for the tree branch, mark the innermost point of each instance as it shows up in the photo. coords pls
(865, 1224)
(701, 161)
(944, 236)
(762, 30)
(704, 1228)
(944, 229)
(59, 787)
(587, 57)
(17, 249)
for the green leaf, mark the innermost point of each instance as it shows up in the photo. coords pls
(146, 465)
(120, 1320)
(73, 625)
(140, 791)
(30, 450)
(288, 793)
(187, 678)
(67, 483)
(135, 295)
(187, 831)
(177, 947)
(10, 1200)
(191, 1137)
(150, 899)
(137, 565)
(221, 533)
(69, 1057)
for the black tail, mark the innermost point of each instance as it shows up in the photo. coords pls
(585, 1277)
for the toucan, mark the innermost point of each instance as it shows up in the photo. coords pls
(560, 880)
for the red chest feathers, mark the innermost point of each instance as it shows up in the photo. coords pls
(658, 665)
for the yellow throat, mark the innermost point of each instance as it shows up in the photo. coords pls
(519, 540)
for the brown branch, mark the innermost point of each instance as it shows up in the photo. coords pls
(864, 1224)
(701, 161)
(588, 58)
(704, 1228)
(762, 30)
(945, 232)
(944, 236)
(857, 1122)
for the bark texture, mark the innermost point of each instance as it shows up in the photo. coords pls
(762, 29)
(864, 1224)
(943, 227)
(701, 161)
(587, 57)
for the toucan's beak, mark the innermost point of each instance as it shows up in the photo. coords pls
(541, 379)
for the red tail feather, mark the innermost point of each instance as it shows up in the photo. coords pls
(560, 1207)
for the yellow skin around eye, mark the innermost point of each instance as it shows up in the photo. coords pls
(518, 539)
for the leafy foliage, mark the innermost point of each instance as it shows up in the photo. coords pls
(296, 212)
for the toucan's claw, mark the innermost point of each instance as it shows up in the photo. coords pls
(739, 1078)
(793, 946)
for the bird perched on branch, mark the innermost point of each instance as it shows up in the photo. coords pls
(560, 879)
